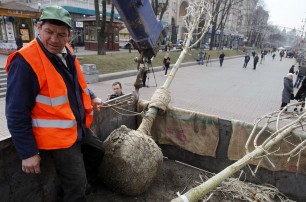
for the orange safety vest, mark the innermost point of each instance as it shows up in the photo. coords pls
(53, 122)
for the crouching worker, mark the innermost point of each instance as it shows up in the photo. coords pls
(49, 108)
(117, 89)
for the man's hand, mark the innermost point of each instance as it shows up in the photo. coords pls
(96, 103)
(31, 165)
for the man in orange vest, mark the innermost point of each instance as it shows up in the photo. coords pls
(49, 107)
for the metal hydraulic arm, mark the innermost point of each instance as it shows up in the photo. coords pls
(146, 31)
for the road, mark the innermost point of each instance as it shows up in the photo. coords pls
(230, 92)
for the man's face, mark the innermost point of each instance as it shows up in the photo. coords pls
(53, 37)
(117, 89)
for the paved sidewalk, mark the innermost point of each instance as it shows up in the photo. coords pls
(229, 92)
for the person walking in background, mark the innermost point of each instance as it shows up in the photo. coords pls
(291, 70)
(256, 59)
(19, 42)
(117, 89)
(281, 54)
(201, 57)
(300, 76)
(246, 60)
(287, 93)
(273, 56)
(166, 63)
(262, 56)
(49, 108)
(221, 58)
(253, 53)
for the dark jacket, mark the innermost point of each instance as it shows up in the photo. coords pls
(19, 42)
(221, 56)
(301, 94)
(246, 58)
(291, 70)
(288, 89)
(256, 59)
(302, 71)
(201, 55)
(167, 62)
(112, 96)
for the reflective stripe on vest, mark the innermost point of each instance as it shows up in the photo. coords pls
(44, 123)
(51, 101)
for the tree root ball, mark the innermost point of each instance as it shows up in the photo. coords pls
(131, 161)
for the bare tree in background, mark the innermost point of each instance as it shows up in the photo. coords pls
(102, 31)
(110, 28)
(101, 26)
(258, 25)
(276, 37)
(221, 10)
(159, 8)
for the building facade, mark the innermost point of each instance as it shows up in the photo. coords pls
(81, 13)
(235, 32)
(15, 21)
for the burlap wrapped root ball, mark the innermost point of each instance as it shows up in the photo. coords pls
(131, 161)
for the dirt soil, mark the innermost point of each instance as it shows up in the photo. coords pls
(173, 177)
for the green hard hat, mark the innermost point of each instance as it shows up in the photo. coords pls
(56, 13)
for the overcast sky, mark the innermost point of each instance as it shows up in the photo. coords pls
(286, 13)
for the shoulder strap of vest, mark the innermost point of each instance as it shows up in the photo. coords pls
(9, 60)
(70, 48)
(21, 51)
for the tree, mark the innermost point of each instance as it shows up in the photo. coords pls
(102, 31)
(276, 39)
(259, 23)
(101, 26)
(110, 27)
(138, 164)
(159, 8)
(198, 13)
(220, 10)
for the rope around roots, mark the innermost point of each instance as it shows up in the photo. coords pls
(115, 107)
(160, 99)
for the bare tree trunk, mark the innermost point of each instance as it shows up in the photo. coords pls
(110, 29)
(163, 9)
(159, 10)
(101, 25)
(98, 21)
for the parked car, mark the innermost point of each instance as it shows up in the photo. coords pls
(289, 54)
